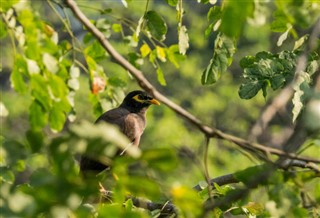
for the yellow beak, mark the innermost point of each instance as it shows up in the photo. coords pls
(154, 101)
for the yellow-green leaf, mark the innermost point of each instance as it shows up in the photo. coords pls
(161, 54)
(161, 78)
(145, 50)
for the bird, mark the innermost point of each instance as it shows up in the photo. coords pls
(130, 117)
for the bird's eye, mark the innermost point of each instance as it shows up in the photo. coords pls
(143, 97)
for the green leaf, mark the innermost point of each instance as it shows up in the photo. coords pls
(280, 22)
(155, 25)
(187, 200)
(117, 82)
(6, 175)
(214, 17)
(35, 139)
(222, 58)
(277, 82)
(39, 87)
(17, 75)
(172, 2)
(106, 11)
(128, 204)
(57, 87)
(57, 117)
(95, 51)
(160, 77)
(104, 26)
(174, 55)
(234, 16)
(38, 116)
(248, 175)
(3, 30)
(160, 158)
(135, 59)
(247, 61)
(214, 14)
(117, 28)
(210, 74)
(6, 5)
(183, 40)
(250, 89)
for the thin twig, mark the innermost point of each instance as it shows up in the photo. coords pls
(206, 167)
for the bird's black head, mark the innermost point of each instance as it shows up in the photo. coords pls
(136, 100)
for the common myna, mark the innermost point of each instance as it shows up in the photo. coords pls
(130, 117)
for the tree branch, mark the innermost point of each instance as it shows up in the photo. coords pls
(147, 86)
(168, 208)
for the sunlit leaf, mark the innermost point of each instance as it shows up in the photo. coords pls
(50, 62)
(32, 66)
(187, 200)
(297, 101)
(254, 208)
(161, 54)
(300, 42)
(183, 40)
(3, 110)
(117, 28)
(283, 36)
(145, 50)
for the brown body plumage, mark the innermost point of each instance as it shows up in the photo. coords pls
(130, 117)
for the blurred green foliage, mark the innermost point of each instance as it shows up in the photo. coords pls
(56, 79)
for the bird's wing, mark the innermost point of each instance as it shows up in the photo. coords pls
(131, 124)
(114, 116)
(134, 127)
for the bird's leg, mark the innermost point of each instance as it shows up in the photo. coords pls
(105, 193)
